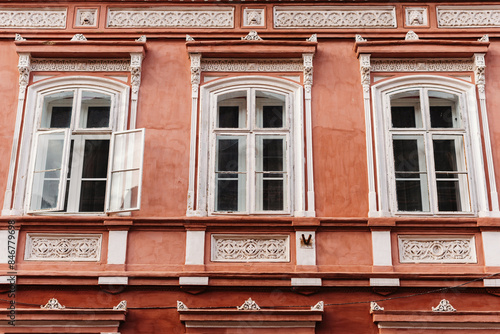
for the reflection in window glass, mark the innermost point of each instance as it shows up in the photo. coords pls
(95, 110)
(57, 110)
(232, 110)
(405, 110)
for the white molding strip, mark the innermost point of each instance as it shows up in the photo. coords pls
(80, 65)
(175, 17)
(308, 82)
(335, 17)
(437, 249)
(250, 248)
(468, 16)
(252, 65)
(421, 65)
(39, 18)
(63, 247)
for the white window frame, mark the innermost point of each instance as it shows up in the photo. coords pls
(381, 109)
(294, 201)
(119, 111)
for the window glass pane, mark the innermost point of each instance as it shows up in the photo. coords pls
(232, 110)
(92, 196)
(270, 177)
(95, 110)
(126, 170)
(405, 110)
(230, 173)
(47, 171)
(444, 110)
(57, 110)
(411, 173)
(94, 173)
(270, 110)
(451, 173)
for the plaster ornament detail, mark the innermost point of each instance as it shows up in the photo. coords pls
(33, 18)
(253, 17)
(189, 38)
(411, 36)
(308, 72)
(24, 68)
(143, 38)
(421, 65)
(135, 73)
(121, 306)
(365, 68)
(53, 304)
(86, 17)
(479, 72)
(79, 38)
(19, 38)
(416, 16)
(180, 18)
(252, 65)
(444, 306)
(468, 16)
(195, 72)
(252, 36)
(432, 249)
(313, 38)
(375, 307)
(359, 38)
(249, 305)
(320, 306)
(181, 306)
(75, 65)
(250, 248)
(484, 38)
(334, 17)
(63, 247)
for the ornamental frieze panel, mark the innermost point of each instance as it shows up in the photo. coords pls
(250, 248)
(63, 247)
(334, 17)
(220, 17)
(87, 65)
(468, 17)
(436, 249)
(54, 18)
(422, 65)
(252, 65)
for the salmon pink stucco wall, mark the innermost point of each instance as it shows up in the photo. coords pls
(338, 132)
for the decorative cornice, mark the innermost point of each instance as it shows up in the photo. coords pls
(53, 304)
(252, 36)
(222, 17)
(444, 306)
(435, 249)
(334, 17)
(421, 65)
(251, 65)
(121, 306)
(83, 65)
(468, 16)
(249, 305)
(33, 18)
(63, 247)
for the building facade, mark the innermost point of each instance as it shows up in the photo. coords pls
(249, 167)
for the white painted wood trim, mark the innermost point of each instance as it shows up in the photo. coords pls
(381, 248)
(195, 247)
(305, 254)
(311, 205)
(195, 84)
(491, 248)
(117, 247)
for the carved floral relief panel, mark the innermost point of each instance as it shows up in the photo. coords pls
(63, 247)
(250, 248)
(468, 16)
(437, 249)
(49, 18)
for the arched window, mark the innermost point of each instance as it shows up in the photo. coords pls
(80, 158)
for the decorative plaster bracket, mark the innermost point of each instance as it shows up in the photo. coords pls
(135, 81)
(53, 304)
(195, 73)
(444, 306)
(24, 67)
(308, 73)
(249, 305)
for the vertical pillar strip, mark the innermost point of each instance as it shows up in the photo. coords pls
(135, 81)
(308, 81)
(24, 67)
(479, 74)
(195, 84)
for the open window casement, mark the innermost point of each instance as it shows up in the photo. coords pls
(125, 171)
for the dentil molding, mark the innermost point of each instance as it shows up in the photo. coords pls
(188, 17)
(53, 18)
(334, 17)
(63, 247)
(86, 65)
(421, 65)
(250, 248)
(251, 65)
(436, 249)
